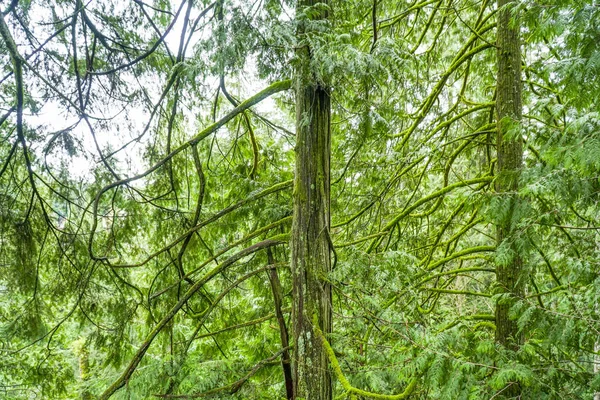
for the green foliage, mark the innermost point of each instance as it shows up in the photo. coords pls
(414, 211)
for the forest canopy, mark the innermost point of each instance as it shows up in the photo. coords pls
(300, 199)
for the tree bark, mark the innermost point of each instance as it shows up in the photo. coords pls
(286, 362)
(310, 242)
(597, 367)
(510, 159)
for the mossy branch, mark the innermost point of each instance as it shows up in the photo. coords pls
(351, 390)
(250, 198)
(420, 202)
(488, 320)
(458, 254)
(243, 325)
(465, 292)
(455, 272)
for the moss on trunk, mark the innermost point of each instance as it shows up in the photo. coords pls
(310, 242)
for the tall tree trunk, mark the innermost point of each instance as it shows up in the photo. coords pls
(310, 242)
(510, 159)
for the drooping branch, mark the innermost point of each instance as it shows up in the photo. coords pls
(199, 203)
(257, 98)
(231, 388)
(235, 103)
(137, 358)
(233, 245)
(273, 189)
(203, 317)
(18, 62)
(242, 325)
(149, 52)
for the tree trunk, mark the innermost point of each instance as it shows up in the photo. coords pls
(597, 350)
(310, 242)
(510, 158)
(597, 367)
(283, 332)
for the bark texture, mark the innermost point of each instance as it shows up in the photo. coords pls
(310, 242)
(286, 361)
(510, 159)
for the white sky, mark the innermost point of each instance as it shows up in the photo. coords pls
(53, 117)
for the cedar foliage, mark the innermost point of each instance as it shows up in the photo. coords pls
(147, 160)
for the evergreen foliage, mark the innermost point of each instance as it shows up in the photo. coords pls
(148, 191)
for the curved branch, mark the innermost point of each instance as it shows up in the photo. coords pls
(147, 53)
(213, 218)
(257, 98)
(432, 196)
(137, 358)
(231, 388)
(344, 381)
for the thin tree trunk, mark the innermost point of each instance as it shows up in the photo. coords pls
(510, 159)
(310, 244)
(83, 354)
(286, 362)
(597, 350)
(597, 367)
